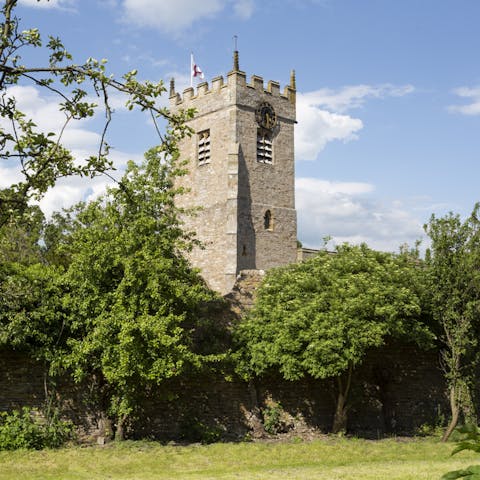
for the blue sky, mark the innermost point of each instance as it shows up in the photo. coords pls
(388, 103)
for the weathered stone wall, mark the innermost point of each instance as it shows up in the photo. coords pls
(306, 253)
(23, 383)
(396, 390)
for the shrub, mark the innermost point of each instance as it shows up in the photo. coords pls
(194, 430)
(25, 429)
(273, 418)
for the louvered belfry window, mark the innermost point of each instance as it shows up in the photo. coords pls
(264, 146)
(204, 147)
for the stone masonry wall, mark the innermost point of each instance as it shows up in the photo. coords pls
(396, 390)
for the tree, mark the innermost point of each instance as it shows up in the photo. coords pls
(133, 300)
(20, 237)
(453, 263)
(30, 310)
(112, 293)
(31, 315)
(319, 318)
(40, 156)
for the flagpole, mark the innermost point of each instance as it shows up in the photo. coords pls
(191, 69)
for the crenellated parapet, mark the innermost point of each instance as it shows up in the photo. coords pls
(236, 79)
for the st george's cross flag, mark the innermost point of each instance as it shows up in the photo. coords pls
(195, 70)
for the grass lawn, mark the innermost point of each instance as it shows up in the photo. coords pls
(330, 459)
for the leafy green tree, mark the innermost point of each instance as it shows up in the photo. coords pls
(454, 283)
(40, 156)
(32, 319)
(103, 289)
(20, 237)
(134, 300)
(470, 441)
(319, 318)
(31, 315)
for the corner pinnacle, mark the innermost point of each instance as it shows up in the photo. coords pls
(236, 65)
(293, 83)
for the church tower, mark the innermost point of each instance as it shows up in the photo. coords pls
(240, 175)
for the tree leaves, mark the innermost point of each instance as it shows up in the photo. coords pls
(317, 317)
(40, 155)
(133, 296)
(470, 441)
(320, 317)
(453, 267)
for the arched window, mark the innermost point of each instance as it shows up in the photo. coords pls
(267, 220)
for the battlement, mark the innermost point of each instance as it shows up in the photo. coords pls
(236, 79)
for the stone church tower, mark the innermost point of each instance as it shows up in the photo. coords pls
(241, 175)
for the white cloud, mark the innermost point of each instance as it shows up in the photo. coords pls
(244, 8)
(473, 94)
(9, 176)
(354, 96)
(345, 212)
(60, 4)
(322, 117)
(173, 17)
(48, 118)
(82, 141)
(317, 127)
(69, 191)
(78, 138)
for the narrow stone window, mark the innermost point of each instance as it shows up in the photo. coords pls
(264, 146)
(203, 147)
(267, 220)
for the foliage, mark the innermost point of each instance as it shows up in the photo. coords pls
(194, 430)
(20, 238)
(133, 299)
(24, 429)
(433, 428)
(320, 317)
(272, 417)
(454, 285)
(30, 308)
(40, 156)
(471, 442)
(31, 315)
(103, 289)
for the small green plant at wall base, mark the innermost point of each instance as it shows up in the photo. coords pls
(470, 441)
(272, 417)
(25, 430)
(435, 427)
(429, 430)
(194, 430)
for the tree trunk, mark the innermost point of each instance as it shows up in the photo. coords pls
(254, 416)
(340, 418)
(120, 430)
(455, 409)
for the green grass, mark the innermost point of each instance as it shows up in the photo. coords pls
(322, 459)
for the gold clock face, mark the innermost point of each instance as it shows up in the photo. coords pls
(266, 116)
